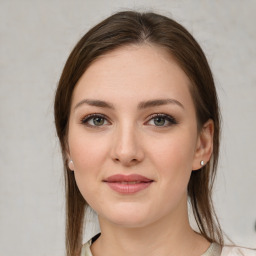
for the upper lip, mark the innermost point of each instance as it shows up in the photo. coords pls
(127, 178)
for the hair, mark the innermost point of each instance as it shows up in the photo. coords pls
(129, 28)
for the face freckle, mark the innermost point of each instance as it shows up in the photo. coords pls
(132, 114)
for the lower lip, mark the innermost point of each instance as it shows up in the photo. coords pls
(128, 188)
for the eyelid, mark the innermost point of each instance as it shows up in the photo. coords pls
(169, 118)
(87, 118)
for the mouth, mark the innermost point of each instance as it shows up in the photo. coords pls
(128, 184)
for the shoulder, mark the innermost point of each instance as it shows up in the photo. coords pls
(237, 251)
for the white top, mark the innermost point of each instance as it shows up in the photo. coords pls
(213, 250)
(237, 251)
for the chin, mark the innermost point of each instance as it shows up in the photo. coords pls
(129, 223)
(127, 217)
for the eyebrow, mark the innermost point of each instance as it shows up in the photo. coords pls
(158, 102)
(141, 105)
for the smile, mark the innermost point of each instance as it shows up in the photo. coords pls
(128, 184)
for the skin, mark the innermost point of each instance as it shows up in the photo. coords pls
(128, 141)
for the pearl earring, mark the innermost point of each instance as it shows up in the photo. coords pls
(202, 163)
(71, 165)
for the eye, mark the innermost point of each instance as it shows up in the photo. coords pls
(95, 120)
(162, 120)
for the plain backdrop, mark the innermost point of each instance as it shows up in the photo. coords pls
(37, 36)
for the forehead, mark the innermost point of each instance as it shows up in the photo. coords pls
(134, 72)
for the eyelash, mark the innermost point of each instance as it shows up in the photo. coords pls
(170, 119)
(87, 118)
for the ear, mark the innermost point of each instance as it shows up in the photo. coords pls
(204, 145)
(68, 158)
(70, 162)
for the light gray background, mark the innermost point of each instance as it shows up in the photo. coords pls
(36, 38)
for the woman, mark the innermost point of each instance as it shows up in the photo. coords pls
(137, 116)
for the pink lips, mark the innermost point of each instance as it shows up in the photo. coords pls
(128, 184)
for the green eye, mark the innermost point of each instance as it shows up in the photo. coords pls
(159, 121)
(95, 120)
(98, 121)
(162, 120)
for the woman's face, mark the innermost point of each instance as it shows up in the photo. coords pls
(133, 136)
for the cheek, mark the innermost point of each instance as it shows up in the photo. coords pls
(88, 154)
(86, 151)
(173, 158)
(175, 152)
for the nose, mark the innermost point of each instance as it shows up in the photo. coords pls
(127, 147)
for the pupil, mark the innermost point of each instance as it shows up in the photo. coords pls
(159, 121)
(98, 121)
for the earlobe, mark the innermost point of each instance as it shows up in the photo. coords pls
(204, 146)
(68, 158)
(71, 165)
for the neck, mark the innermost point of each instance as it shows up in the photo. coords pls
(172, 235)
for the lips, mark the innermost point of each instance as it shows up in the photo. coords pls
(128, 184)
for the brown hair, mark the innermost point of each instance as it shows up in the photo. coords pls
(126, 28)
